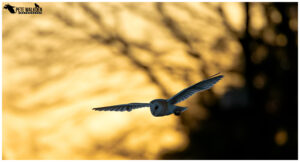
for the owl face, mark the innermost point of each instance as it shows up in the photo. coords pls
(159, 107)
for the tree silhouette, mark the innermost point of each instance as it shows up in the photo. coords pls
(247, 130)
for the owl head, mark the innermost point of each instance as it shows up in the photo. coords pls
(159, 107)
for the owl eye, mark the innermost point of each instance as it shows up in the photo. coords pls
(156, 107)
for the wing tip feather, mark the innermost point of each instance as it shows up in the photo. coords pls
(217, 75)
(96, 109)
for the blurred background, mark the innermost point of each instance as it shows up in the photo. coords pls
(58, 65)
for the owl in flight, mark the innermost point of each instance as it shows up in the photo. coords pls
(162, 107)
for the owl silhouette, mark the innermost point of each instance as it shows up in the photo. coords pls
(163, 107)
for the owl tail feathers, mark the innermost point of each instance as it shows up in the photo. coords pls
(178, 110)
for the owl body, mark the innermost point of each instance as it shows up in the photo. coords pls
(163, 107)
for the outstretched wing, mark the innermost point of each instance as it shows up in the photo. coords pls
(123, 107)
(198, 87)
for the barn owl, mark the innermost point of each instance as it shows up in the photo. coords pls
(162, 107)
